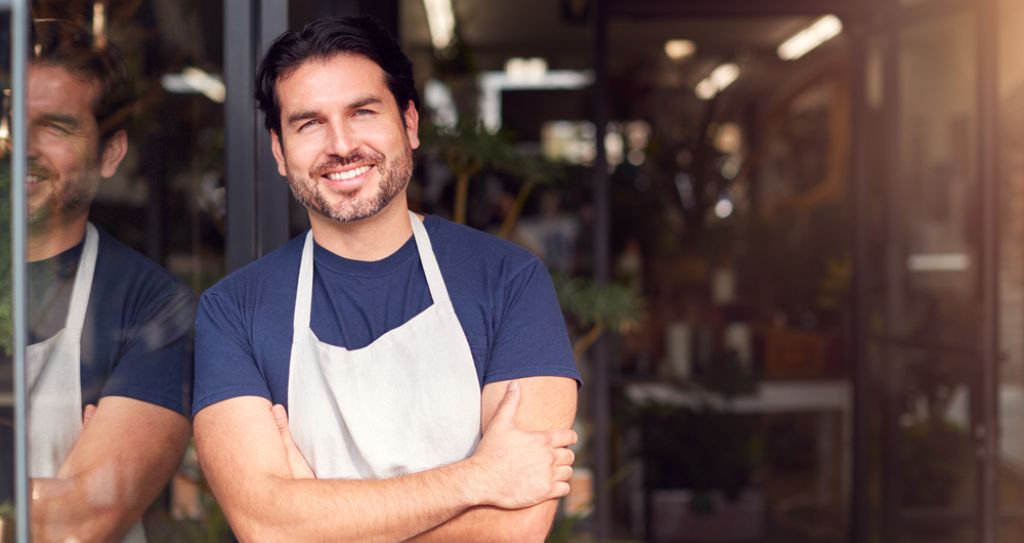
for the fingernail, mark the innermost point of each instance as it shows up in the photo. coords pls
(514, 385)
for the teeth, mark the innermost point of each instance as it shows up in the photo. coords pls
(342, 176)
(33, 179)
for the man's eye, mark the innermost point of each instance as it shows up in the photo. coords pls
(364, 112)
(308, 124)
(56, 127)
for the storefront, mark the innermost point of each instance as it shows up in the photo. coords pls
(816, 254)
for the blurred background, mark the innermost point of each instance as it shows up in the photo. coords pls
(786, 236)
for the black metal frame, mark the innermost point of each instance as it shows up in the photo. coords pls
(599, 353)
(257, 198)
(987, 431)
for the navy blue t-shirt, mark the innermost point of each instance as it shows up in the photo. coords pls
(502, 294)
(137, 335)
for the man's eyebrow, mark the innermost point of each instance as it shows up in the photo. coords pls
(362, 102)
(302, 116)
(60, 118)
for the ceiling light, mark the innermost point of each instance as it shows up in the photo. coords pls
(720, 78)
(723, 208)
(195, 80)
(938, 262)
(705, 90)
(680, 49)
(806, 40)
(724, 75)
(99, 24)
(526, 69)
(441, 20)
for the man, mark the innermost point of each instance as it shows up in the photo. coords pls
(371, 352)
(110, 334)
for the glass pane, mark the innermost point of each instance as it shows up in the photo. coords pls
(935, 240)
(1011, 273)
(923, 227)
(7, 474)
(125, 216)
(735, 210)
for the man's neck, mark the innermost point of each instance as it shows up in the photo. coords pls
(49, 240)
(368, 240)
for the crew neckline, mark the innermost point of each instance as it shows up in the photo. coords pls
(325, 259)
(62, 264)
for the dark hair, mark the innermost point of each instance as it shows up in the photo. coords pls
(323, 38)
(66, 45)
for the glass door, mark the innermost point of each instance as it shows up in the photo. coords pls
(930, 313)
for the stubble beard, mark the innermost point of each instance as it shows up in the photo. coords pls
(395, 175)
(66, 199)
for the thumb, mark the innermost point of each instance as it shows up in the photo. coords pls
(299, 467)
(88, 414)
(505, 415)
(280, 417)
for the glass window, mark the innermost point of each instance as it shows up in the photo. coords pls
(125, 227)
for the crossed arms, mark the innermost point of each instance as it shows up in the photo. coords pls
(507, 489)
(127, 451)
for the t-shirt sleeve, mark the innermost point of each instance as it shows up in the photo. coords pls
(225, 363)
(531, 338)
(155, 362)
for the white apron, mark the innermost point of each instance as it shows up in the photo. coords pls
(408, 402)
(53, 370)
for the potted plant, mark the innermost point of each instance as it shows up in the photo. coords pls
(700, 459)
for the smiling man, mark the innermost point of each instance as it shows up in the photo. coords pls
(385, 376)
(109, 360)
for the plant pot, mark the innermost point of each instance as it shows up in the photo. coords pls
(673, 520)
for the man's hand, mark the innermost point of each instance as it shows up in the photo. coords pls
(300, 468)
(546, 403)
(520, 468)
(87, 415)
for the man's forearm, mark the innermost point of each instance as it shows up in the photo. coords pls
(85, 508)
(108, 480)
(395, 509)
(247, 463)
(494, 525)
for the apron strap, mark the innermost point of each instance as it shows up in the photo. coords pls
(304, 291)
(438, 291)
(83, 280)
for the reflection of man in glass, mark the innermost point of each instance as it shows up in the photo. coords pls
(109, 330)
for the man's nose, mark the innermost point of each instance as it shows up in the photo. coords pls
(342, 140)
(32, 140)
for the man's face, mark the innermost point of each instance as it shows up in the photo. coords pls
(64, 161)
(343, 145)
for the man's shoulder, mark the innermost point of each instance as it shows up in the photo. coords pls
(270, 271)
(119, 264)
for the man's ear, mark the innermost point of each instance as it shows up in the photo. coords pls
(412, 125)
(113, 153)
(275, 147)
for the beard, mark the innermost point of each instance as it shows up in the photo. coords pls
(394, 178)
(67, 198)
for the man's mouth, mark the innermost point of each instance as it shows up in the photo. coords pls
(32, 179)
(348, 174)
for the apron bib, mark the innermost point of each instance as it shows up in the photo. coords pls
(53, 369)
(408, 402)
